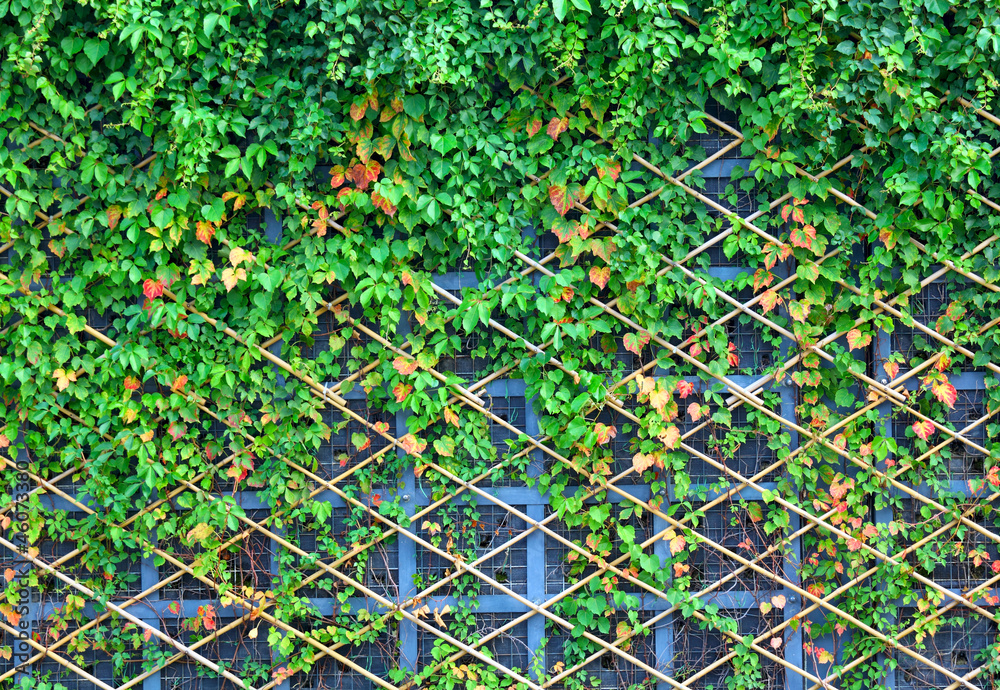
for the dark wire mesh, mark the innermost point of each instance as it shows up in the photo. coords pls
(469, 533)
(957, 645)
(696, 647)
(510, 647)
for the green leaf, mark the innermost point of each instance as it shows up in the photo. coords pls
(559, 7)
(414, 106)
(210, 22)
(540, 143)
(95, 49)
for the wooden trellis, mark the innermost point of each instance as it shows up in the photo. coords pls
(520, 563)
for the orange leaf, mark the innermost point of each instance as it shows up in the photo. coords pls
(404, 366)
(604, 433)
(642, 462)
(231, 277)
(451, 417)
(533, 127)
(769, 300)
(63, 378)
(670, 436)
(600, 276)
(694, 410)
(891, 369)
(205, 232)
(412, 445)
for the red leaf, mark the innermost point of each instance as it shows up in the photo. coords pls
(176, 430)
(694, 410)
(402, 391)
(684, 389)
(147, 633)
(557, 127)
(600, 276)
(891, 369)
(559, 199)
(404, 366)
(945, 392)
(152, 288)
(358, 110)
(381, 427)
(634, 342)
(923, 430)
(174, 607)
(785, 211)
(533, 127)
(451, 417)
(733, 357)
(131, 383)
(803, 237)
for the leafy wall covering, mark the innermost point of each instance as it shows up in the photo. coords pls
(499, 344)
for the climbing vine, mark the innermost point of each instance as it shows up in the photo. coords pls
(296, 298)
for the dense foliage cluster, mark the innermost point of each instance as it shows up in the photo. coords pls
(273, 275)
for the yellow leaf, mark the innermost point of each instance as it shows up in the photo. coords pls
(231, 277)
(238, 256)
(63, 378)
